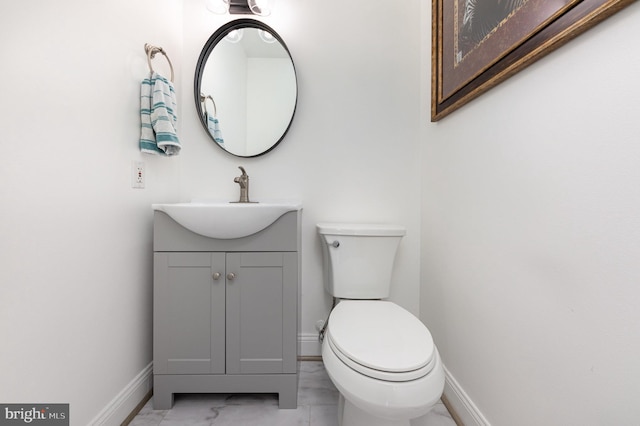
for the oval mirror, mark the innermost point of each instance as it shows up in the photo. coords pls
(245, 88)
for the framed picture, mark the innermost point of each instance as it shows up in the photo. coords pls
(477, 44)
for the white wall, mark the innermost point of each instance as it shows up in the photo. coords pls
(75, 238)
(531, 236)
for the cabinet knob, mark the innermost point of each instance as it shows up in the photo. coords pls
(231, 276)
(216, 276)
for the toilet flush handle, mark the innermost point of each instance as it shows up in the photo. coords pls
(335, 244)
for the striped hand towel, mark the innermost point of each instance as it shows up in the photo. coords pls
(158, 116)
(214, 128)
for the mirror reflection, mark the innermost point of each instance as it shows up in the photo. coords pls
(245, 88)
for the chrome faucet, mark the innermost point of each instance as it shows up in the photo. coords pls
(243, 181)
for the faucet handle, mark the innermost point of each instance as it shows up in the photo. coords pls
(243, 181)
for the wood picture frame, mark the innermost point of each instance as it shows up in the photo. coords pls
(476, 45)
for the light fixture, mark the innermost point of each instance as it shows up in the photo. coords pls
(266, 36)
(261, 7)
(240, 7)
(234, 36)
(219, 7)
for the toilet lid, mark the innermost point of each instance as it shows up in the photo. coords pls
(381, 337)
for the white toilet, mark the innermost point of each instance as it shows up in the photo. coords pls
(379, 356)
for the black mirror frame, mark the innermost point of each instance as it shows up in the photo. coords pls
(218, 36)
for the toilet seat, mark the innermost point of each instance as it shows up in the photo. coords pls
(381, 340)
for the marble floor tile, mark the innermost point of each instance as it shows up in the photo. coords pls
(317, 406)
(438, 416)
(314, 385)
(323, 415)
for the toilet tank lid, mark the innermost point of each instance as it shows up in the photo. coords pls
(366, 229)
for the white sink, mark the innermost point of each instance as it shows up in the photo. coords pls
(222, 219)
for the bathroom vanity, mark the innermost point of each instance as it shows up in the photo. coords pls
(225, 316)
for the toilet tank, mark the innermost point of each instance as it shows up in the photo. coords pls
(358, 258)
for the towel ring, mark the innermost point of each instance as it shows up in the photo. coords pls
(151, 53)
(204, 98)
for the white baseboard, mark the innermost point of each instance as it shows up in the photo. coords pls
(126, 401)
(309, 344)
(460, 402)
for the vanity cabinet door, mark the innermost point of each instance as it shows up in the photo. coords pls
(189, 313)
(261, 312)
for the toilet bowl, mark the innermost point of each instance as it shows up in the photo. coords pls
(380, 357)
(383, 362)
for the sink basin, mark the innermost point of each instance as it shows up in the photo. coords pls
(222, 219)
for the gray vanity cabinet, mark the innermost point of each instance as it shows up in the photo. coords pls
(225, 312)
(261, 313)
(189, 308)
